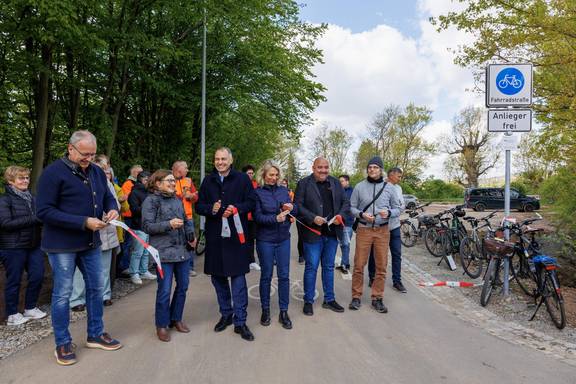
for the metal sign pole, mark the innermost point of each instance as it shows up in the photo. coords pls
(506, 288)
(203, 129)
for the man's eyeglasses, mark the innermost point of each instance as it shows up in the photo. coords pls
(86, 155)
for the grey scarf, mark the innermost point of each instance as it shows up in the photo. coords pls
(26, 195)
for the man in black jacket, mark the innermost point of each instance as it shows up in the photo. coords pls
(319, 198)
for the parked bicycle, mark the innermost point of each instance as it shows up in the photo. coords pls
(472, 255)
(498, 251)
(409, 233)
(444, 239)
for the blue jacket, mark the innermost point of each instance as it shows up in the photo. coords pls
(65, 198)
(270, 200)
(226, 256)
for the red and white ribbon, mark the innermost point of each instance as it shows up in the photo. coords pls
(460, 284)
(151, 250)
(225, 228)
(238, 226)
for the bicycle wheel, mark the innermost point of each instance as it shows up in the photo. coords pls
(489, 281)
(471, 257)
(525, 278)
(408, 234)
(433, 242)
(553, 298)
(201, 243)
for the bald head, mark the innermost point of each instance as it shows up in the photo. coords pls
(320, 169)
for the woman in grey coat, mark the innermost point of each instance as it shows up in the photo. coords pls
(164, 220)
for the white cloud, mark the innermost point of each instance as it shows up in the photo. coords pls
(366, 71)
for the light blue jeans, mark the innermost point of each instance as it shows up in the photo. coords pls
(79, 287)
(63, 265)
(139, 256)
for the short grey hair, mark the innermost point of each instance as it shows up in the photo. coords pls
(82, 135)
(266, 167)
(224, 149)
(394, 170)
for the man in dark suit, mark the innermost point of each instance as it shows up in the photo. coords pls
(320, 197)
(222, 193)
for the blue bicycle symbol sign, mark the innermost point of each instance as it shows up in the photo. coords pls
(510, 81)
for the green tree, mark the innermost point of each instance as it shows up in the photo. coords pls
(332, 144)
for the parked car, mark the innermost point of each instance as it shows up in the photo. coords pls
(410, 201)
(480, 199)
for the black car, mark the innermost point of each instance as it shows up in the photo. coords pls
(480, 199)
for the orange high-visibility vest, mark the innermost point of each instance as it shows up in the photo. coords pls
(127, 188)
(184, 185)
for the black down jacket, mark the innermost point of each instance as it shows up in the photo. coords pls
(19, 227)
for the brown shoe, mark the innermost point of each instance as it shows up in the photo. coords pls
(180, 326)
(163, 334)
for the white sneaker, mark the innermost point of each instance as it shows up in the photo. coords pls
(34, 314)
(255, 266)
(193, 273)
(16, 319)
(135, 278)
(148, 276)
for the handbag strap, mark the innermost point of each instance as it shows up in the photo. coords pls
(375, 197)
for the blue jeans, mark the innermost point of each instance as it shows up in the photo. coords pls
(190, 225)
(63, 265)
(139, 256)
(15, 262)
(396, 251)
(123, 261)
(323, 252)
(345, 246)
(234, 302)
(171, 310)
(270, 253)
(78, 296)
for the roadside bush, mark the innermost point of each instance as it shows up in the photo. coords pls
(438, 189)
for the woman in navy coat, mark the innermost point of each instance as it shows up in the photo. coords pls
(273, 240)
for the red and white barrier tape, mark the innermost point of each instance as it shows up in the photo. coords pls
(460, 284)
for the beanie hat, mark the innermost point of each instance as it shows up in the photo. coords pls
(142, 175)
(376, 160)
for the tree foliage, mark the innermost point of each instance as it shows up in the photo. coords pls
(332, 144)
(130, 71)
(470, 150)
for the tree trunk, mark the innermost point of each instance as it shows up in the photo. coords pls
(42, 99)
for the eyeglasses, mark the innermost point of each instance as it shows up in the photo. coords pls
(23, 177)
(86, 155)
(170, 180)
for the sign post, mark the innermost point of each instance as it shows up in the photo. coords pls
(509, 87)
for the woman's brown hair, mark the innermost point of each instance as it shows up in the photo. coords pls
(157, 176)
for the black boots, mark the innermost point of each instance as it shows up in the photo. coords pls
(285, 320)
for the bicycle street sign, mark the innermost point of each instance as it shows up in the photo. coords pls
(509, 85)
(509, 120)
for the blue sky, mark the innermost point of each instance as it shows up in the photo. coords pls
(363, 15)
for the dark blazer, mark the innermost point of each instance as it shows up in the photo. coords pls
(157, 211)
(19, 227)
(309, 201)
(66, 197)
(226, 256)
(268, 206)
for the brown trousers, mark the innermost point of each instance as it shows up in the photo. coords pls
(366, 237)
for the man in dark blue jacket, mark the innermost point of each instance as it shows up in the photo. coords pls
(74, 203)
(320, 198)
(222, 193)
(347, 230)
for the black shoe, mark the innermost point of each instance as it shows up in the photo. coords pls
(370, 282)
(379, 306)
(265, 318)
(107, 302)
(79, 308)
(355, 304)
(400, 287)
(223, 323)
(244, 331)
(333, 305)
(308, 311)
(345, 269)
(300, 260)
(285, 320)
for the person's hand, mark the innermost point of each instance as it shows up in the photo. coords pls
(122, 198)
(338, 220)
(111, 215)
(216, 207)
(368, 217)
(281, 217)
(229, 211)
(383, 213)
(287, 207)
(176, 223)
(94, 224)
(192, 243)
(319, 220)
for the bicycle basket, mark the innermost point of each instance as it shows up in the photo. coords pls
(428, 220)
(498, 247)
(459, 213)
